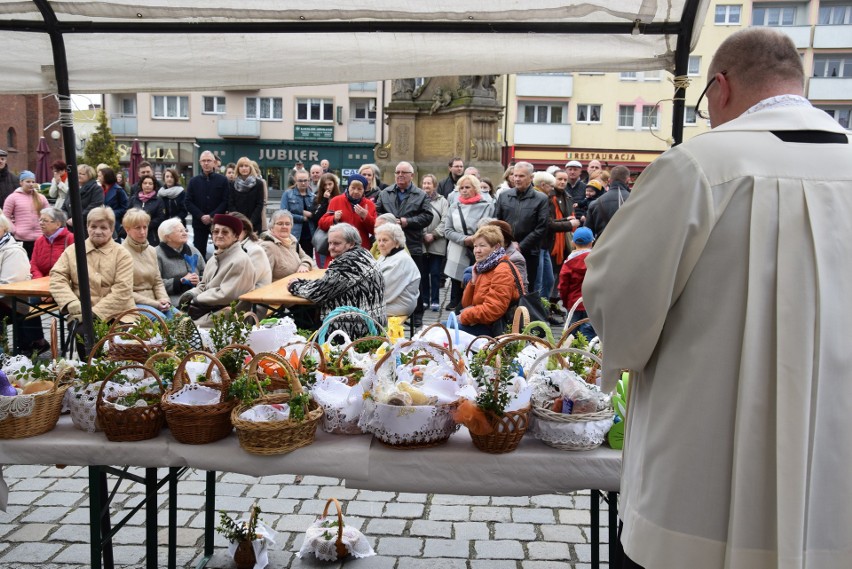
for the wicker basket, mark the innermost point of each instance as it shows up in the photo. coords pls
(134, 423)
(342, 552)
(437, 423)
(143, 347)
(45, 413)
(352, 378)
(199, 424)
(584, 431)
(231, 348)
(276, 437)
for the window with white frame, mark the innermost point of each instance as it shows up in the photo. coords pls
(128, 106)
(693, 68)
(835, 14)
(840, 114)
(625, 116)
(639, 75)
(650, 116)
(315, 110)
(213, 105)
(728, 14)
(264, 108)
(773, 15)
(364, 109)
(588, 113)
(542, 112)
(170, 107)
(689, 117)
(833, 65)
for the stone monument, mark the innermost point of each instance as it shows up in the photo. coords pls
(439, 118)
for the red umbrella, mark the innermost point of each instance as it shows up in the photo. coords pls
(43, 171)
(135, 160)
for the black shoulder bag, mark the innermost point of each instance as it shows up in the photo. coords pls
(468, 251)
(531, 300)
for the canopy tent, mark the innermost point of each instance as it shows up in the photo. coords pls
(104, 46)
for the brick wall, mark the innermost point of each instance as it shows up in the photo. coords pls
(20, 112)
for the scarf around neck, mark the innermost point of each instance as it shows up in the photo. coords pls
(352, 200)
(243, 186)
(488, 263)
(145, 198)
(472, 200)
(170, 193)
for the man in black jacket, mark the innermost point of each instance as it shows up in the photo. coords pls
(448, 184)
(206, 195)
(576, 186)
(411, 207)
(526, 210)
(8, 181)
(602, 209)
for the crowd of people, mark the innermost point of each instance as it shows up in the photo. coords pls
(457, 230)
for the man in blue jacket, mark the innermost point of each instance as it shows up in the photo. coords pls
(206, 195)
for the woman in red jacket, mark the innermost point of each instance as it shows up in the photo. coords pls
(55, 238)
(492, 289)
(353, 208)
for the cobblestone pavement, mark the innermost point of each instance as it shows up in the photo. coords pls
(46, 523)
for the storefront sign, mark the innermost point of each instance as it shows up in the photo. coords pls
(322, 133)
(288, 154)
(150, 153)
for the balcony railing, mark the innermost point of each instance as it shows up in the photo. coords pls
(238, 127)
(543, 133)
(833, 37)
(830, 89)
(361, 130)
(801, 35)
(556, 86)
(123, 126)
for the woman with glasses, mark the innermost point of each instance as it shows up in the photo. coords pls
(55, 238)
(180, 263)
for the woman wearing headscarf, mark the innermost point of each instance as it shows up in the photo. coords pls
(353, 208)
(22, 208)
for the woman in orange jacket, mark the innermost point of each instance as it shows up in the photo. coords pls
(492, 289)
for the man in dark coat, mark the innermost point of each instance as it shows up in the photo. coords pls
(448, 184)
(576, 186)
(602, 209)
(8, 181)
(526, 210)
(206, 195)
(411, 207)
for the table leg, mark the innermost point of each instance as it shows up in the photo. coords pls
(209, 518)
(616, 553)
(151, 518)
(95, 503)
(173, 482)
(106, 524)
(595, 514)
(15, 328)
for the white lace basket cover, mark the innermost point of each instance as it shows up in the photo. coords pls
(260, 545)
(269, 339)
(16, 406)
(419, 424)
(342, 405)
(321, 541)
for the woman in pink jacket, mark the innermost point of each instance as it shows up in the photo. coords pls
(23, 208)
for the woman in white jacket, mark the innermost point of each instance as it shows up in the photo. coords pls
(402, 277)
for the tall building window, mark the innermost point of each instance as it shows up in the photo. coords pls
(213, 105)
(625, 116)
(639, 76)
(128, 106)
(689, 117)
(170, 107)
(264, 108)
(693, 68)
(773, 15)
(728, 14)
(365, 109)
(588, 113)
(834, 65)
(834, 14)
(650, 116)
(319, 110)
(840, 114)
(11, 138)
(540, 112)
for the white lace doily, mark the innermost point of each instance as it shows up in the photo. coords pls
(260, 546)
(581, 435)
(321, 540)
(17, 406)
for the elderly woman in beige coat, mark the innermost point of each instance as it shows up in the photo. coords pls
(110, 272)
(285, 254)
(228, 275)
(149, 291)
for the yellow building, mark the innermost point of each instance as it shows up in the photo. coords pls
(626, 118)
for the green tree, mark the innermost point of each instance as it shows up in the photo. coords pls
(100, 149)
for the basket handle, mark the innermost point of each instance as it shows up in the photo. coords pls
(574, 309)
(354, 343)
(111, 374)
(570, 330)
(96, 348)
(117, 323)
(488, 341)
(54, 339)
(292, 376)
(457, 363)
(341, 311)
(339, 521)
(313, 347)
(181, 371)
(231, 348)
(538, 324)
(507, 339)
(565, 350)
(453, 322)
(521, 315)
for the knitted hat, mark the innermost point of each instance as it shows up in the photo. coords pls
(583, 236)
(26, 175)
(359, 178)
(229, 221)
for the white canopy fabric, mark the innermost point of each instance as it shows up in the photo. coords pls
(162, 45)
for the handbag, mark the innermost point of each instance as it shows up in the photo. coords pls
(320, 241)
(196, 311)
(531, 301)
(468, 251)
